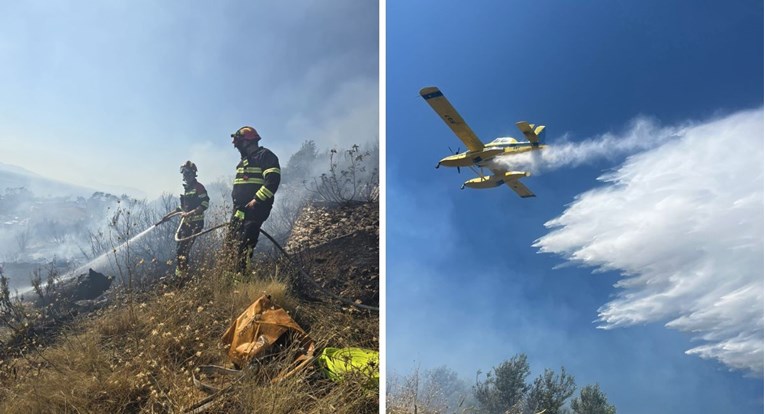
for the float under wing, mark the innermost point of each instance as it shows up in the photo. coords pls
(446, 111)
(512, 179)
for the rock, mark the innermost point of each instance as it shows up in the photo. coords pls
(90, 286)
(85, 287)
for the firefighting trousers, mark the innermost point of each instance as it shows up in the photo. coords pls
(184, 247)
(243, 234)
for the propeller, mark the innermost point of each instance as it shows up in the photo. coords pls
(455, 153)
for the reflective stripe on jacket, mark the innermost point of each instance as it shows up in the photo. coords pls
(195, 196)
(257, 176)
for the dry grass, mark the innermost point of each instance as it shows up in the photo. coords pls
(138, 355)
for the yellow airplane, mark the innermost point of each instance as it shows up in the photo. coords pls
(479, 155)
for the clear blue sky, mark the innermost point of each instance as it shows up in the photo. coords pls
(121, 93)
(658, 109)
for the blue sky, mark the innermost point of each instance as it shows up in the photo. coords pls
(117, 95)
(654, 116)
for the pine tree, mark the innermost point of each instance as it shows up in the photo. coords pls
(592, 400)
(550, 391)
(505, 387)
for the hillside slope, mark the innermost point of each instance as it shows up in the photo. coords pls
(138, 354)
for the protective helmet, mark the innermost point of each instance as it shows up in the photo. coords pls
(246, 133)
(189, 167)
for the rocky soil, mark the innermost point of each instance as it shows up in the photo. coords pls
(339, 248)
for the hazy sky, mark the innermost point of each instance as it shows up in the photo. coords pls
(121, 93)
(648, 220)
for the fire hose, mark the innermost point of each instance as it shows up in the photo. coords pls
(303, 272)
(180, 224)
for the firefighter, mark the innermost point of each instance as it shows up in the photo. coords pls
(257, 179)
(194, 202)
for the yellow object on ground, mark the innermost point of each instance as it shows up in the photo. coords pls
(253, 335)
(337, 362)
(256, 330)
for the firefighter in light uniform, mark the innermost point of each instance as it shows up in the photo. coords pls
(257, 179)
(194, 202)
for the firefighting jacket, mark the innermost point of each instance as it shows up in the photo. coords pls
(257, 176)
(195, 195)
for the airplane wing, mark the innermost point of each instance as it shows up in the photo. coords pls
(531, 133)
(519, 188)
(513, 181)
(446, 111)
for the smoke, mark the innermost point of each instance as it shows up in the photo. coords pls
(643, 133)
(334, 176)
(683, 224)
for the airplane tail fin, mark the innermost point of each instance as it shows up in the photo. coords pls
(532, 132)
(540, 132)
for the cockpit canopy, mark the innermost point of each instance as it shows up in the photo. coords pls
(502, 141)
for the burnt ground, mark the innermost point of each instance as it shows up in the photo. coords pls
(338, 247)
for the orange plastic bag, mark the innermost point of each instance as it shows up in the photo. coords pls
(254, 332)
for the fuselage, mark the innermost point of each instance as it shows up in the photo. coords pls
(491, 150)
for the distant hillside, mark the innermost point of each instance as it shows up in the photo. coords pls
(12, 176)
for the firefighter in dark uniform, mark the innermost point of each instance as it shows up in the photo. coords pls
(194, 202)
(257, 179)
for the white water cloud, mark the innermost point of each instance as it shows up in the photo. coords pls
(683, 224)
